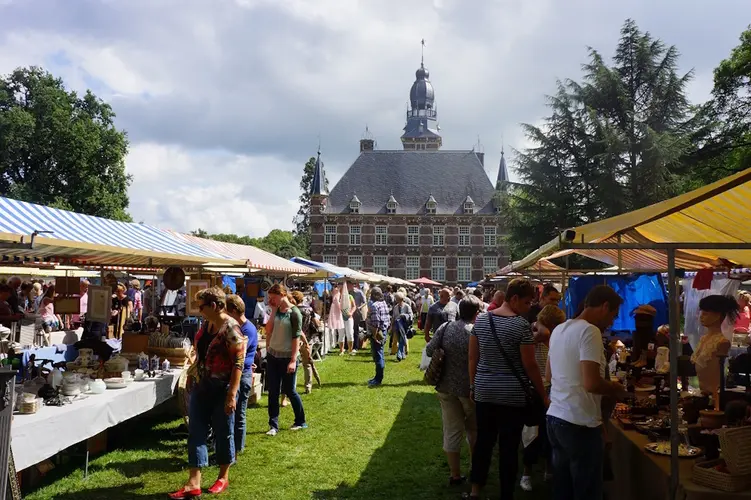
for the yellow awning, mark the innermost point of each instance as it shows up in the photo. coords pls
(716, 213)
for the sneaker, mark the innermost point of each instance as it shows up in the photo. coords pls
(308, 389)
(298, 427)
(373, 383)
(526, 483)
(341, 353)
(353, 353)
(272, 432)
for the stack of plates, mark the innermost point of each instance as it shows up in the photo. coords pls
(30, 407)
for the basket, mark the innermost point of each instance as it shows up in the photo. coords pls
(705, 474)
(736, 449)
(177, 356)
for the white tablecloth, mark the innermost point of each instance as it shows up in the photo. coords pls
(54, 428)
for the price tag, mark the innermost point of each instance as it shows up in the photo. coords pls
(651, 346)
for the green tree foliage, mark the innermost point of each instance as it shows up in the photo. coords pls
(613, 142)
(302, 219)
(60, 149)
(282, 243)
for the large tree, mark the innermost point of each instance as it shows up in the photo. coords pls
(613, 142)
(282, 243)
(302, 219)
(60, 149)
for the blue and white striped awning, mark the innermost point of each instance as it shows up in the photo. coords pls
(87, 240)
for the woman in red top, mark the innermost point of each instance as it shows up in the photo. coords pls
(220, 349)
(743, 322)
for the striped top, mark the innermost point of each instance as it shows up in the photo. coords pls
(541, 356)
(495, 381)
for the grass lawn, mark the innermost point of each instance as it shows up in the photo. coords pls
(362, 443)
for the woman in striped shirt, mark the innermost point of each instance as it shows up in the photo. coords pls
(499, 396)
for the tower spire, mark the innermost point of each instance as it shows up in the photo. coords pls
(422, 53)
(421, 129)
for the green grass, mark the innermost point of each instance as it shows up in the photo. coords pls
(362, 443)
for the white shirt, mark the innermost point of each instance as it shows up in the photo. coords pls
(574, 341)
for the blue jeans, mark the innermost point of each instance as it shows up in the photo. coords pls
(380, 362)
(243, 393)
(578, 454)
(401, 352)
(206, 411)
(278, 381)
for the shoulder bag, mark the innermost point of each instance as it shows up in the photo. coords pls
(435, 368)
(534, 412)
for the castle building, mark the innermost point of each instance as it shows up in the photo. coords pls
(419, 211)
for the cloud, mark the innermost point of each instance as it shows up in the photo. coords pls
(228, 99)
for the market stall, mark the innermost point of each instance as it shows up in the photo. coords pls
(706, 228)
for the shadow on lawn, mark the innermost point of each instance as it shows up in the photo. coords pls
(125, 491)
(410, 464)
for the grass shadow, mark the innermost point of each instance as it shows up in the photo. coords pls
(108, 493)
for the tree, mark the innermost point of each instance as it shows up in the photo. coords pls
(302, 219)
(282, 243)
(60, 149)
(613, 142)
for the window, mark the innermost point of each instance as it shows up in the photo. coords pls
(354, 262)
(464, 236)
(464, 269)
(355, 235)
(391, 206)
(354, 205)
(438, 269)
(489, 265)
(490, 236)
(413, 268)
(439, 236)
(413, 236)
(430, 207)
(381, 235)
(469, 207)
(330, 259)
(329, 236)
(381, 264)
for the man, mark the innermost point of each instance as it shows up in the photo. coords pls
(577, 368)
(550, 297)
(359, 313)
(379, 321)
(83, 302)
(236, 309)
(498, 298)
(442, 311)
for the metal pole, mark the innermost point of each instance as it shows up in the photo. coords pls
(675, 345)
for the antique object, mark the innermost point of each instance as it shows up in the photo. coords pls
(116, 364)
(663, 448)
(115, 383)
(174, 278)
(97, 386)
(712, 419)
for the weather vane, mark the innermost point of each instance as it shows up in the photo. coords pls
(422, 52)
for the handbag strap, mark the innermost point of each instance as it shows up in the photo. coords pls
(525, 387)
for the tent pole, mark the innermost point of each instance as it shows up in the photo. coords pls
(620, 256)
(674, 348)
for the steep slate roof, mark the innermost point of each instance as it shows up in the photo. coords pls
(411, 177)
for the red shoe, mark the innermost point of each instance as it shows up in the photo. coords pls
(219, 486)
(185, 494)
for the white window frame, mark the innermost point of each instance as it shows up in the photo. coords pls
(489, 264)
(382, 235)
(438, 269)
(354, 207)
(330, 259)
(413, 237)
(329, 234)
(439, 236)
(354, 262)
(431, 207)
(355, 235)
(469, 208)
(490, 236)
(465, 236)
(381, 264)
(464, 268)
(412, 267)
(391, 208)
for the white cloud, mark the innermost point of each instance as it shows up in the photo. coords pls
(226, 100)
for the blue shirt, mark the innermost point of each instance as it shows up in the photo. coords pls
(249, 330)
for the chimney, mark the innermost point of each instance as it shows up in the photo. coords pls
(367, 145)
(481, 157)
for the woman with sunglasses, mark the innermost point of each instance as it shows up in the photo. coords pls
(220, 350)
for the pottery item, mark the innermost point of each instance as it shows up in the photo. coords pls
(116, 364)
(143, 362)
(126, 374)
(97, 386)
(115, 383)
(139, 374)
(154, 363)
(55, 378)
(712, 419)
(165, 365)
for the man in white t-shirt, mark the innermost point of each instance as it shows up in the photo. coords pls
(577, 368)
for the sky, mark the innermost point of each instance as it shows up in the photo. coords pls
(224, 101)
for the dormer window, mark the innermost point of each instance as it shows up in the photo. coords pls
(391, 205)
(354, 205)
(431, 205)
(469, 206)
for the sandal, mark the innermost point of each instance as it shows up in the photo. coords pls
(456, 481)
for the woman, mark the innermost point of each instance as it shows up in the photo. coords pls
(138, 300)
(220, 350)
(743, 322)
(335, 321)
(426, 300)
(122, 308)
(348, 332)
(400, 322)
(457, 409)
(283, 340)
(501, 359)
(378, 324)
(50, 321)
(308, 322)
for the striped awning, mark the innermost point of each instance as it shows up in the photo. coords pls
(84, 240)
(253, 258)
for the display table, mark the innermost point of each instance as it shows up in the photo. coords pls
(640, 475)
(52, 429)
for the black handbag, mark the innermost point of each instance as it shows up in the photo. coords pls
(534, 412)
